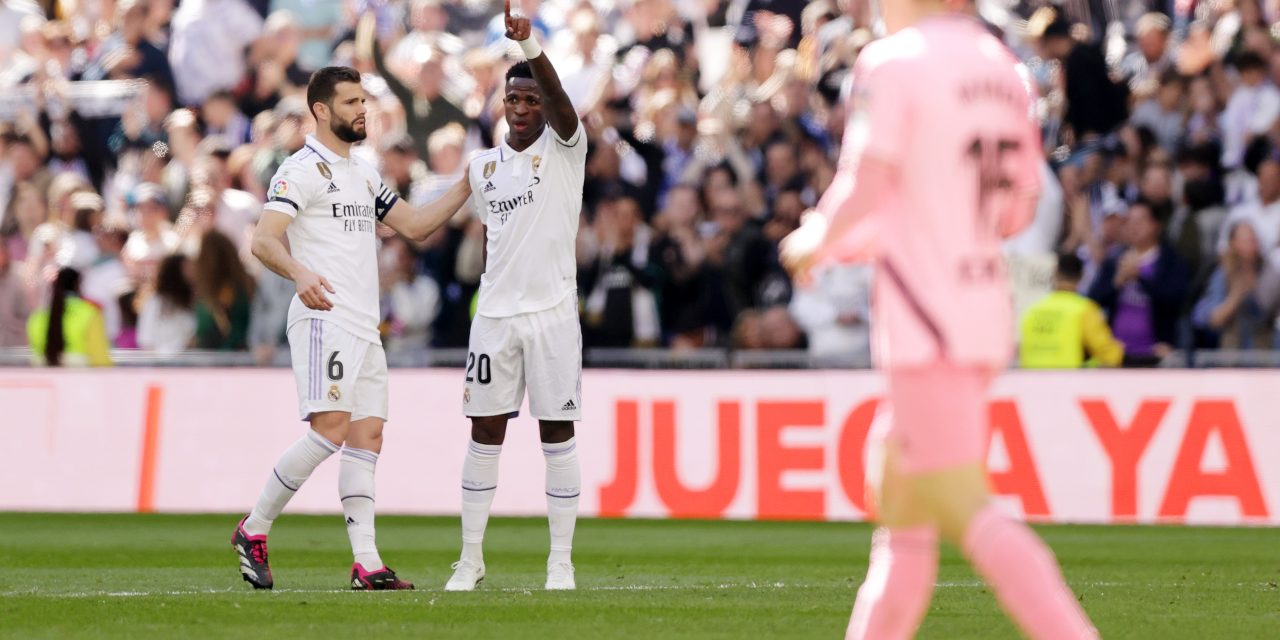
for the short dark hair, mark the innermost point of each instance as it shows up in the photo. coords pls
(1250, 61)
(1160, 211)
(222, 94)
(520, 70)
(1070, 267)
(324, 83)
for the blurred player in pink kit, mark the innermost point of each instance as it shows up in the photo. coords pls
(940, 163)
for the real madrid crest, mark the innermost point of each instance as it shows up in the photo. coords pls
(370, 185)
(489, 168)
(334, 394)
(466, 396)
(537, 162)
(324, 170)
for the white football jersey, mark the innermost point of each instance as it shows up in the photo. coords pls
(529, 202)
(336, 203)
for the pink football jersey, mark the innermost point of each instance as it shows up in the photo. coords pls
(943, 103)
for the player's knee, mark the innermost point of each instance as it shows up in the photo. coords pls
(554, 431)
(366, 435)
(952, 504)
(490, 430)
(334, 426)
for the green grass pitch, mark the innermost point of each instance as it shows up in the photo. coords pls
(132, 576)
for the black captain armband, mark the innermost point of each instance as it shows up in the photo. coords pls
(383, 202)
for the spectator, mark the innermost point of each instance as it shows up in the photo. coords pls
(209, 41)
(1152, 60)
(153, 237)
(399, 162)
(24, 163)
(681, 255)
(1164, 113)
(273, 65)
(780, 331)
(1065, 330)
(739, 251)
(1143, 288)
(167, 322)
(235, 212)
(318, 24)
(1251, 111)
(79, 249)
(835, 313)
(663, 105)
(30, 211)
(1262, 214)
(127, 304)
(221, 117)
(142, 124)
(1231, 306)
(1094, 104)
(69, 331)
(107, 279)
(426, 107)
(410, 300)
(13, 302)
(127, 53)
(269, 315)
(223, 291)
(1203, 203)
(620, 309)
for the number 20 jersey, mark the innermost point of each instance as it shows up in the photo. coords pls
(944, 102)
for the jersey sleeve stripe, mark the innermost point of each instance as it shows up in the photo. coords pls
(286, 201)
(573, 139)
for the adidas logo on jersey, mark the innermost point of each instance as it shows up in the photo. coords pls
(333, 188)
(569, 406)
(488, 186)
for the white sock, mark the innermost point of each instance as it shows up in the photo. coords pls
(291, 470)
(479, 484)
(564, 483)
(355, 487)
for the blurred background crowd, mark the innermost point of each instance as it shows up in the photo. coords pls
(137, 136)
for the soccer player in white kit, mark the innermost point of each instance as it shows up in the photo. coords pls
(528, 193)
(940, 162)
(328, 202)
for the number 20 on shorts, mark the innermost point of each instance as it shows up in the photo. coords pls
(482, 368)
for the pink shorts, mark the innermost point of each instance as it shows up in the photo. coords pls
(939, 416)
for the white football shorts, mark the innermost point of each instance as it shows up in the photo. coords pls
(540, 350)
(337, 371)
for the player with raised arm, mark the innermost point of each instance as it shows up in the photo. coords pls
(940, 162)
(528, 192)
(328, 203)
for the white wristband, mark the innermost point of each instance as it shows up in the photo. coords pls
(530, 47)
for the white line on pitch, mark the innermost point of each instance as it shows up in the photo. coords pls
(971, 584)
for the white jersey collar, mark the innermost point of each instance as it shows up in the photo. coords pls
(505, 152)
(324, 152)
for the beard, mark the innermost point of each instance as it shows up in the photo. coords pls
(346, 132)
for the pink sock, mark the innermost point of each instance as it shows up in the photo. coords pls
(1025, 577)
(893, 598)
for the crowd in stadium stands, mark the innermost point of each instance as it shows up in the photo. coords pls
(714, 124)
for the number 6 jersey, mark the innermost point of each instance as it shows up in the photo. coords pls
(335, 203)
